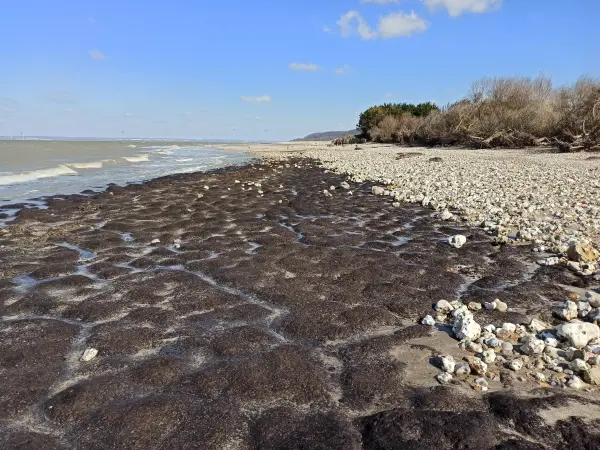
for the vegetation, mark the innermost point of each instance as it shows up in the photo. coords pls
(498, 112)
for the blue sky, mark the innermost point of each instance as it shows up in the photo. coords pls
(267, 69)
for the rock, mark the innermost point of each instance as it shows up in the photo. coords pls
(551, 261)
(443, 306)
(490, 306)
(447, 363)
(89, 354)
(377, 190)
(444, 378)
(446, 215)
(541, 377)
(493, 342)
(593, 298)
(457, 241)
(592, 376)
(582, 253)
(474, 347)
(155, 241)
(481, 384)
(533, 346)
(488, 356)
(428, 320)
(573, 353)
(515, 365)
(507, 349)
(477, 366)
(569, 312)
(344, 185)
(538, 326)
(489, 328)
(465, 328)
(474, 306)
(501, 306)
(511, 327)
(550, 341)
(551, 352)
(579, 334)
(578, 365)
(575, 383)
(462, 368)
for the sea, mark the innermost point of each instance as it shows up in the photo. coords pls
(34, 169)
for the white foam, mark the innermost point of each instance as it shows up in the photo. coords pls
(89, 165)
(136, 158)
(24, 177)
(132, 146)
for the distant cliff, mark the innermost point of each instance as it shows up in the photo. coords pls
(327, 135)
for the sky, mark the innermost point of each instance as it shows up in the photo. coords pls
(267, 69)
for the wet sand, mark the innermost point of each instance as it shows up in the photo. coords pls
(286, 319)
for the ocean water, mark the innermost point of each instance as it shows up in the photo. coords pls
(32, 170)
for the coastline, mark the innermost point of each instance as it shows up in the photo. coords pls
(265, 302)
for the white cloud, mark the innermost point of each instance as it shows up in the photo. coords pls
(390, 26)
(261, 99)
(328, 30)
(96, 54)
(457, 7)
(130, 115)
(305, 67)
(380, 2)
(348, 29)
(401, 24)
(342, 70)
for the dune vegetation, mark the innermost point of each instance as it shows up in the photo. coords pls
(497, 112)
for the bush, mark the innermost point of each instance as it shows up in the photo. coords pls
(498, 112)
(349, 139)
(374, 115)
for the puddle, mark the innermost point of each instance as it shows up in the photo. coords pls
(84, 255)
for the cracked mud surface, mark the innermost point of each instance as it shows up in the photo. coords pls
(255, 324)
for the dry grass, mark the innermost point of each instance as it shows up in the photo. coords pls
(507, 112)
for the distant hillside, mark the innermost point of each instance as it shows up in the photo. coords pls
(327, 135)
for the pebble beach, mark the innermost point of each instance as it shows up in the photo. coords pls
(349, 298)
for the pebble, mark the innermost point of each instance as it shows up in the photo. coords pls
(490, 306)
(377, 190)
(155, 241)
(457, 241)
(578, 365)
(428, 320)
(593, 298)
(507, 349)
(575, 383)
(447, 363)
(488, 356)
(474, 347)
(481, 384)
(533, 346)
(592, 376)
(89, 354)
(465, 328)
(501, 306)
(443, 306)
(515, 365)
(462, 368)
(474, 306)
(444, 378)
(344, 185)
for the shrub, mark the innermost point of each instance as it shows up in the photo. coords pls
(498, 112)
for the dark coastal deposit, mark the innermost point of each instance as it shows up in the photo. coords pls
(268, 316)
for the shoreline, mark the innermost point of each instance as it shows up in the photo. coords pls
(250, 294)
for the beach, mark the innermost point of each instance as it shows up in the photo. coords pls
(280, 304)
